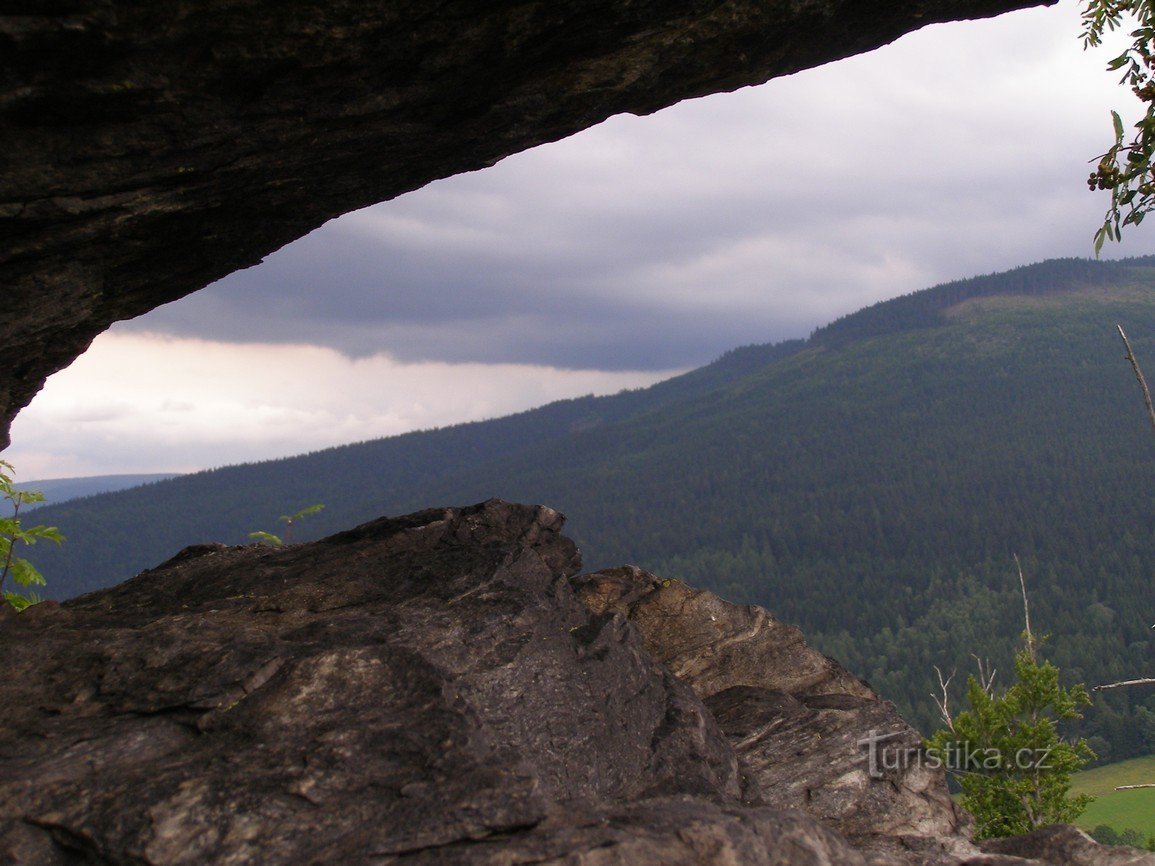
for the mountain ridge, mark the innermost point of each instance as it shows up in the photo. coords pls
(59, 490)
(868, 485)
(452, 447)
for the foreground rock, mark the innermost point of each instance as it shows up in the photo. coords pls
(1068, 845)
(796, 719)
(152, 148)
(437, 689)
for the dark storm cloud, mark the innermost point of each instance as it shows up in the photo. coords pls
(563, 286)
(663, 241)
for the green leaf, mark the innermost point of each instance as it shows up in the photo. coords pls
(18, 601)
(25, 574)
(22, 496)
(47, 533)
(1100, 237)
(304, 512)
(1119, 62)
(267, 538)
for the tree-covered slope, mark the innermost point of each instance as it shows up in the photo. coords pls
(63, 489)
(871, 484)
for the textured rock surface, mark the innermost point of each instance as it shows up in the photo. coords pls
(432, 689)
(148, 149)
(795, 718)
(1068, 845)
(416, 685)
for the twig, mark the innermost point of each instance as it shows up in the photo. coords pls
(1133, 787)
(1138, 375)
(1144, 682)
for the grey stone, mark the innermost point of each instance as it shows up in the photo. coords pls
(797, 720)
(440, 688)
(1060, 843)
(424, 686)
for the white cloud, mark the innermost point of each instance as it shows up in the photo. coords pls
(143, 402)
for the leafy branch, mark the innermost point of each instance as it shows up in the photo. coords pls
(288, 520)
(14, 533)
(1126, 168)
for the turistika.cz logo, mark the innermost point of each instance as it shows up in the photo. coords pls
(957, 758)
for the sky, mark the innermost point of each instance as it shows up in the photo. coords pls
(623, 255)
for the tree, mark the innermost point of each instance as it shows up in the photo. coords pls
(1013, 767)
(1006, 753)
(1126, 168)
(12, 533)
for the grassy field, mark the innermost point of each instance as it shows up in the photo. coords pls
(1122, 810)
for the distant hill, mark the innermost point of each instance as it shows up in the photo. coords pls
(870, 483)
(58, 490)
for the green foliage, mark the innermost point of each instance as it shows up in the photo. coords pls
(1016, 772)
(1126, 168)
(1105, 834)
(267, 538)
(12, 534)
(288, 520)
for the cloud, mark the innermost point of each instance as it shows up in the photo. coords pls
(644, 244)
(662, 241)
(246, 401)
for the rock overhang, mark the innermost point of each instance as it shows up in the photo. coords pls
(151, 149)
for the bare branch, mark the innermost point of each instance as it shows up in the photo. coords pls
(1138, 375)
(943, 708)
(1144, 682)
(1133, 787)
(986, 675)
(1026, 610)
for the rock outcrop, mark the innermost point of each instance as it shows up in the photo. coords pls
(149, 149)
(440, 688)
(796, 719)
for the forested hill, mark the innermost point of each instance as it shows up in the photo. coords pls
(930, 307)
(870, 484)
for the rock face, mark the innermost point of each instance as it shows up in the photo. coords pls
(151, 148)
(796, 719)
(439, 688)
